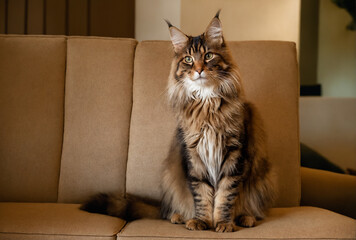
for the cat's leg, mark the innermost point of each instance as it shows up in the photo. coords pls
(203, 201)
(225, 198)
(203, 195)
(227, 192)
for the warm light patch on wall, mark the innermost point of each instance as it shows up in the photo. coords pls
(150, 15)
(245, 19)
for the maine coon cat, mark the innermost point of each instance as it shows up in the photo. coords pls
(222, 177)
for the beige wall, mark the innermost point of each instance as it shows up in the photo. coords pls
(337, 52)
(245, 19)
(150, 15)
(242, 19)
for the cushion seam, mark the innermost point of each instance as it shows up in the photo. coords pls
(63, 118)
(298, 126)
(130, 119)
(123, 228)
(68, 37)
(60, 234)
(185, 237)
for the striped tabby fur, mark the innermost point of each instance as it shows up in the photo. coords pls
(223, 173)
(218, 174)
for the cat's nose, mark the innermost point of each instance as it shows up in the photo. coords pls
(203, 74)
(200, 74)
(199, 70)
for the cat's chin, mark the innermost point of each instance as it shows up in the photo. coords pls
(200, 88)
(201, 81)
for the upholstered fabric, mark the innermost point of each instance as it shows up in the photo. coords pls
(152, 123)
(54, 221)
(281, 223)
(97, 117)
(32, 72)
(333, 191)
(68, 106)
(22, 236)
(270, 77)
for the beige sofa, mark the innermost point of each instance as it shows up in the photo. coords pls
(85, 115)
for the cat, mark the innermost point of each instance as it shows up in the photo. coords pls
(222, 177)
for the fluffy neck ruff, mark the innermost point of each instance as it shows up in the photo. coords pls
(181, 93)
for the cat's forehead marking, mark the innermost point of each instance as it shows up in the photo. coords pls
(197, 45)
(196, 42)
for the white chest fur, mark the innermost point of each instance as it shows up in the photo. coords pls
(210, 152)
(197, 89)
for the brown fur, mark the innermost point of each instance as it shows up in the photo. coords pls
(223, 170)
(217, 174)
(126, 207)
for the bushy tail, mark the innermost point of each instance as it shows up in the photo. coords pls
(126, 207)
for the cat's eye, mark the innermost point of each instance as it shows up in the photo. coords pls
(188, 59)
(209, 56)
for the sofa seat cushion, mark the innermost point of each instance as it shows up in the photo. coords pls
(281, 223)
(55, 221)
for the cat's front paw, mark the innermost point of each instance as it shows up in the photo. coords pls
(196, 224)
(225, 227)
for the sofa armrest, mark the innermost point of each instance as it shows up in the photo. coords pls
(333, 191)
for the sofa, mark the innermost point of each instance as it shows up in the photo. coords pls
(83, 115)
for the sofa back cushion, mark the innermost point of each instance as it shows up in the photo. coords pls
(270, 77)
(98, 101)
(65, 106)
(32, 72)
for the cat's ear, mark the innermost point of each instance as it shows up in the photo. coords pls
(213, 32)
(178, 38)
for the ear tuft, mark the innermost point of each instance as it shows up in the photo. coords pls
(214, 31)
(217, 14)
(178, 38)
(169, 23)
